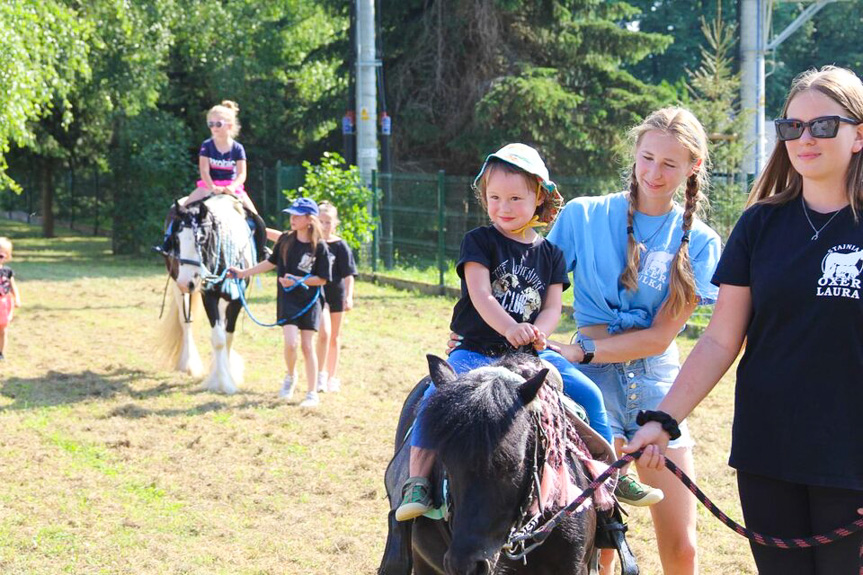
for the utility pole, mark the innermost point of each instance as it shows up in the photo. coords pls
(366, 113)
(755, 24)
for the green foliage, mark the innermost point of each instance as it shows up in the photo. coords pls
(713, 89)
(466, 76)
(43, 47)
(151, 169)
(342, 186)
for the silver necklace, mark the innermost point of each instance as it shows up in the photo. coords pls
(644, 242)
(808, 219)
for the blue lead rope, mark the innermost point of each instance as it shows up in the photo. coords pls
(299, 283)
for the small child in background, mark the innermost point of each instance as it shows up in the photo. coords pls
(338, 299)
(302, 262)
(10, 298)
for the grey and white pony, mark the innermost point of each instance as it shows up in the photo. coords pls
(205, 239)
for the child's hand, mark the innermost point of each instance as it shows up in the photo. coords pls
(287, 280)
(349, 303)
(521, 334)
(540, 343)
(236, 273)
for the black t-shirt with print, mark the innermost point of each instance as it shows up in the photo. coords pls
(799, 391)
(299, 262)
(6, 276)
(520, 275)
(341, 260)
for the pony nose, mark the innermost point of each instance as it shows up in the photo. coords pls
(454, 565)
(191, 286)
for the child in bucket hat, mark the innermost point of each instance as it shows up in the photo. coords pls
(526, 159)
(512, 281)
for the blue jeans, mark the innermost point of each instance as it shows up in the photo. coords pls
(576, 386)
(630, 386)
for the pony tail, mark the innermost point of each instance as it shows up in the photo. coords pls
(629, 277)
(681, 284)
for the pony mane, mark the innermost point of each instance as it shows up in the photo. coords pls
(481, 418)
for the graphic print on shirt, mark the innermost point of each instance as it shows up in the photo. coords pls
(307, 262)
(840, 272)
(5, 283)
(517, 288)
(654, 269)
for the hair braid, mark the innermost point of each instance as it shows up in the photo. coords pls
(681, 285)
(629, 277)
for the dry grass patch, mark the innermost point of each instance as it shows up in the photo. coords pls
(111, 464)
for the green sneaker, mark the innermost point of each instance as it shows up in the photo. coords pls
(416, 499)
(631, 492)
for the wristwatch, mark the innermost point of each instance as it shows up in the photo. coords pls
(588, 348)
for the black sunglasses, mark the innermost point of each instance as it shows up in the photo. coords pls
(823, 127)
(216, 124)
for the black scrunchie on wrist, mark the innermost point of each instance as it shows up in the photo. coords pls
(668, 423)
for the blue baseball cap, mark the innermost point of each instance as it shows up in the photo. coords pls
(303, 207)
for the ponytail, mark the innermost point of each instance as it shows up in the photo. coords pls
(629, 277)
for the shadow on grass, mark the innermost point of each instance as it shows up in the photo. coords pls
(58, 389)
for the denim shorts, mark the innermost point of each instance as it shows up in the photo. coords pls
(630, 386)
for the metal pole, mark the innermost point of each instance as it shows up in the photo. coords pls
(366, 121)
(752, 15)
(441, 232)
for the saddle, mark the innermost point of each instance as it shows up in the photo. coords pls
(397, 557)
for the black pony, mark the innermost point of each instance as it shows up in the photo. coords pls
(486, 430)
(205, 239)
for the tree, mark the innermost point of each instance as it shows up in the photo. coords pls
(42, 55)
(714, 97)
(465, 76)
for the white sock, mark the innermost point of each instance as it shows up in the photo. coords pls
(323, 376)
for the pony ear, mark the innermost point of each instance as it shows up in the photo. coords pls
(177, 207)
(202, 211)
(440, 371)
(527, 391)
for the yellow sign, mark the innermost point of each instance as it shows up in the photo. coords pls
(364, 114)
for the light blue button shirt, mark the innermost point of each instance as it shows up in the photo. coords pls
(591, 232)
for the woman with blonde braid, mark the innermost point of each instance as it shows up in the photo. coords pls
(640, 265)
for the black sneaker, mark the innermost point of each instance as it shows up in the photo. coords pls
(1, 356)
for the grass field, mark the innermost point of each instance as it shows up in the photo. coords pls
(110, 464)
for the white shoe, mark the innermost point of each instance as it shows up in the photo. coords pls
(335, 385)
(311, 400)
(322, 382)
(287, 391)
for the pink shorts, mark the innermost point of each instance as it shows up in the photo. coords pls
(7, 304)
(239, 192)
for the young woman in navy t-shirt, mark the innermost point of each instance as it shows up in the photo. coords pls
(790, 286)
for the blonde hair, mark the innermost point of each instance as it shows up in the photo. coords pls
(546, 211)
(6, 245)
(315, 235)
(780, 182)
(688, 131)
(330, 209)
(229, 110)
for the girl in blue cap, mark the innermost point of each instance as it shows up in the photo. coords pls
(512, 280)
(301, 259)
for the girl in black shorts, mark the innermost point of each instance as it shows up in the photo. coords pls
(338, 296)
(301, 259)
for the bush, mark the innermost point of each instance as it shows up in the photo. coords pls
(342, 186)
